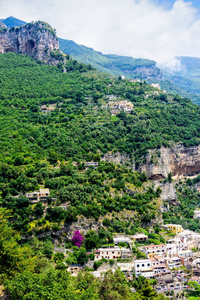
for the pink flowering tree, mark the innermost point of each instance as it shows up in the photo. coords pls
(77, 238)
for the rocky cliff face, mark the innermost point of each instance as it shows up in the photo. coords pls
(119, 158)
(178, 160)
(151, 72)
(37, 39)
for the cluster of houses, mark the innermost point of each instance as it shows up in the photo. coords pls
(171, 264)
(115, 105)
(176, 254)
(49, 108)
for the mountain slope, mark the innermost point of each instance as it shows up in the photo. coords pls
(184, 82)
(129, 67)
(187, 76)
(12, 22)
(112, 64)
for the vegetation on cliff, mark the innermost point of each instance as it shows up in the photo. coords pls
(27, 274)
(113, 64)
(51, 124)
(38, 147)
(188, 201)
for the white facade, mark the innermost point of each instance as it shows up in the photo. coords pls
(140, 237)
(152, 250)
(118, 240)
(173, 262)
(35, 197)
(197, 214)
(171, 249)
(143, 267)
(185, 253)
(112, 253)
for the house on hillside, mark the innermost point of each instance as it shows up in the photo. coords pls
(144, 268)
(117, 106)
(40, 196)
(112, 253)
(49, 108)
(152, 250)
(93, 164)
(174, 228)
(140, 237)
(121, 239)
(156, 85)
(173, 262)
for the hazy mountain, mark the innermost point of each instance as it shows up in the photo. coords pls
(11, 22)
(112, 64)
(187, 75)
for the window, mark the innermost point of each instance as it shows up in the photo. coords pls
(142, 265)
(148, 265)
(138, 266)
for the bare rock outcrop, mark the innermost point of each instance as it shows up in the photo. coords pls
(37, 39)
(151, 72)
(119, 158)
(178, 160)
(168, 190)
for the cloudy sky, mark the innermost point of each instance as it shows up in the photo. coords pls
(154, 29)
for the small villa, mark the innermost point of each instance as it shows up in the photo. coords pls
(40, 196)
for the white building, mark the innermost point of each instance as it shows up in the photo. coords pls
(152, 250)
(91, 164)
(158, 265)
(112, 253)
(185, 253)
(121, 239)
(173, 262)
(35, 197)
(197, 214)
(144, 268)
(156, 85)
(171, 249)
(140, 237)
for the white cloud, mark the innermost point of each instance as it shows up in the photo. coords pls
(138, 28)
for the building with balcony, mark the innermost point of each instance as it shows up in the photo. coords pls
(40, 196)
(112, 253)
(144, 268)
(152, 250)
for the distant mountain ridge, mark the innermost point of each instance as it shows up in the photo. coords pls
(187, 76)
(113, 64)
(185, 81)
(12, 22)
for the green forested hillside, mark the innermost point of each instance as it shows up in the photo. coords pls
(48, 148)
(80, 126)
(50, 124)
(30, 273)
(109, 63)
